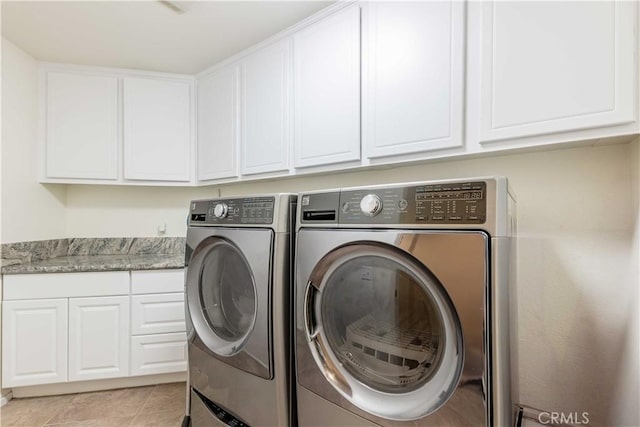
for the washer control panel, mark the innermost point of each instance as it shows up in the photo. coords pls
(252, 210)
(445, 203)
(450, 203)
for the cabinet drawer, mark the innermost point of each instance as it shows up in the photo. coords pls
(65, 285)
(157, 314)
(157, 281)
(158, 354)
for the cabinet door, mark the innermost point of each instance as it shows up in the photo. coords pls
(34, 342)
(81, 129)
(266, 89)
(158, 354)
(556, 66)
(98, 338)
(327, 90)
(157, 129)
(218, 122)
(412, 76)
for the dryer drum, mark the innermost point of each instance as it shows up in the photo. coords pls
(386, 319)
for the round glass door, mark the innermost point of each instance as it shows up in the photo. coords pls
(226, 297)
(389, 328)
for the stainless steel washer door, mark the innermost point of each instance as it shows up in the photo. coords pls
(228, 280)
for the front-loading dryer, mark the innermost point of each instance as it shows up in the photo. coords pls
(402, 305)
(238, 304)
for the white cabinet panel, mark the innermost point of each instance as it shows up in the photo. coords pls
(81, 126)
(34, 342)
(266, 118)
(556, 66)
(413, 71)
(98, 338)
(157, 281)
(158, 354)
(156, 314)
(327, 90)
(218, 123)
(157, 129)
(64, 285)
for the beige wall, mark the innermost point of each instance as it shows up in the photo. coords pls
(30, 211)
(577, 261)
(627, 411)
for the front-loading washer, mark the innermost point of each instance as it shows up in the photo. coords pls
(238, 269)
(402, 304)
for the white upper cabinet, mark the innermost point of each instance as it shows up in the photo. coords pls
(81, 126)
(157, 129)
(266, 109)
(550, 67)
(327, 90)
(413, 76)
(218, 123)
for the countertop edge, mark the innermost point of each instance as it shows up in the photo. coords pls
(95, 264)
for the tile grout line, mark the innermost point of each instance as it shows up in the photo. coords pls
(71, 397)
(142, 405)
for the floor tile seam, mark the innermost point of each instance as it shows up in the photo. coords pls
(71, 397)
(144, 403)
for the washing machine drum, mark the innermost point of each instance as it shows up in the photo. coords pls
(383, 331)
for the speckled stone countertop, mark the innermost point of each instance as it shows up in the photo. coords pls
(100, 254)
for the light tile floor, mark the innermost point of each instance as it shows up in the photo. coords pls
(157, 406)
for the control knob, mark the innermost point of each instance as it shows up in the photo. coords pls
(221, 210)
(371, 205)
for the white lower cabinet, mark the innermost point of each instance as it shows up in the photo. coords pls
(98, 338)
(70, 327)
(157, 313)
(34, 342)
(158, 354)
(159, 340)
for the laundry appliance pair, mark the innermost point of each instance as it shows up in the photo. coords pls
(381, 305)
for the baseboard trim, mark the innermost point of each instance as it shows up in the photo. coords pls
(97, 385)
(6, 398)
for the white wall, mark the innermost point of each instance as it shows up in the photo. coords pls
(576, 296)
(30, 211)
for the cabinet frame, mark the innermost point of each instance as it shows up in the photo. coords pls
(67, 294)
(455, 136)
(234, 71)
(120, 74)
(80, 329)
(352, 148)
(10, 310)
(284, 49)
(625, 100)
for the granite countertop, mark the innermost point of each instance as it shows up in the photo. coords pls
(74, 264)
(83, 255)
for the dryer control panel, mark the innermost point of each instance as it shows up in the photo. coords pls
(446, 203)
(237, 211)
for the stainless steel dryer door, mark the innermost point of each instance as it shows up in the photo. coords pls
(228, 280)
(380, 325)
